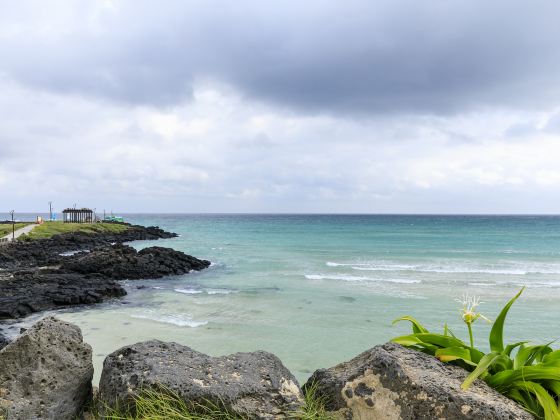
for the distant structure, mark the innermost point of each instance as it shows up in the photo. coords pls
(78, 215)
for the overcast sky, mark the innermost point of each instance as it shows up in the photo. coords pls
(288, 106)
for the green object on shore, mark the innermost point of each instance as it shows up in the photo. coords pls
(117, 219)
(531, 377)
(48, 229)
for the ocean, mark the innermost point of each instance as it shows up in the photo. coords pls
(319, 289)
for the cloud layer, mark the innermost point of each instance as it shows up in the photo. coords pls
(319, 106)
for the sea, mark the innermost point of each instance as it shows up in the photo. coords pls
(317, 290)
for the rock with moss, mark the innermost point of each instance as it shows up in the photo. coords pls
(251, 385)
(46, 372)
(392, 382)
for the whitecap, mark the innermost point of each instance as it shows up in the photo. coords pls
(220, 291)
(188, 291)
(358, 278)
(178, 320)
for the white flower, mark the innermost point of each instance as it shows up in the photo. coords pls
(470, 304)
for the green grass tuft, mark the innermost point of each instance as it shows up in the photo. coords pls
(165, 404)
(314, 405)
(48, 229)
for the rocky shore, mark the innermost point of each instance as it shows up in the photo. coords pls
(46, 373)
(81, 268)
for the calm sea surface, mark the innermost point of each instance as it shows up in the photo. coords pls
(317, 289)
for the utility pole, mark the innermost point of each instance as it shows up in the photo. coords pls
(13, 226)
(50, 210)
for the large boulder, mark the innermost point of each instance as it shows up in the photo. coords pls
(46, 372)
(255, 385)
(392, 382)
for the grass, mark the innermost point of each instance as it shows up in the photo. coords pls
(165, 404)
(528, 374)
(48, 229)
(6, 229)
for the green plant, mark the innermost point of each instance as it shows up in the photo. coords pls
(313, 406)
(528, 374)
(165, 404)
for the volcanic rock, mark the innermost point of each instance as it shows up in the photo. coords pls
(124, 262)
(45, 373)
(392, 382)
(26, 292)
(255, 385)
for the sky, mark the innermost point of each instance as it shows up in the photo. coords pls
(384, 106)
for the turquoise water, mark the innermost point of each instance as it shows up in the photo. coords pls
(317, 289)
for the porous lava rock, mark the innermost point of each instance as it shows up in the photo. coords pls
(254, 385)
(121, 262)
(391, 382)
(46, 372)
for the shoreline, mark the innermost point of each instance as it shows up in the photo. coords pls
(73, 269)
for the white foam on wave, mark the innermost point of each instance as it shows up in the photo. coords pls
(178, 320)
(358, 278)
(519, 270)
(188, 291)
(221, 292)
(208, 292)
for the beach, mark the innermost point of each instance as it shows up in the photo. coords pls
(316, 289)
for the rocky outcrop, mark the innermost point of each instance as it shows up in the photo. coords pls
(124, 262)
(25, 292)
(88, 278)
(46, 372)
(392, 382)
(45, 252)
(255, 385)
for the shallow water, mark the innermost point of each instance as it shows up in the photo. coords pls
(317, 290)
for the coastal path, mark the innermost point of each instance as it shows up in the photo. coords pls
(18, 233)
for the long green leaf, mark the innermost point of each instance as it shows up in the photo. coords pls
(416, 326)
(527, 400)
(413, 341)
(504, 379)
(497, 332)
(449, 354)
(552, 386)
(545, 399)
(526, 355)
(476, 355)
(510, 347)
(552, 357)
(482, 367)
(440, 340)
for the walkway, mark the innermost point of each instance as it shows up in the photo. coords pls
(19, 232)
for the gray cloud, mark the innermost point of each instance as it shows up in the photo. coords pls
(392, 106)
(357, 57)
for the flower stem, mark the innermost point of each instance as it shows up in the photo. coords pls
(470, 334)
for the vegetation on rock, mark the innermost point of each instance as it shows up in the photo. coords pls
(165, 404)
(49, 229)
(528, 374)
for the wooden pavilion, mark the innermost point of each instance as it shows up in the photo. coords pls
(78, 216)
